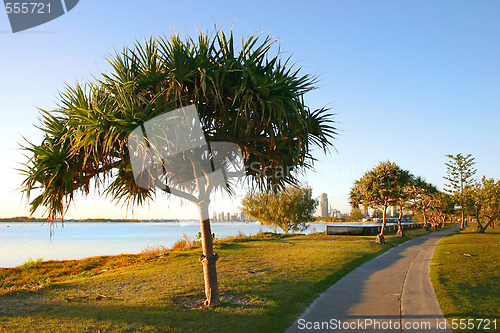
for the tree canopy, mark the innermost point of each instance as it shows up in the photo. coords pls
(288, 209)
(355, 215)
(486, 198)
(379, 188)
(404, 189)
(442, 207)
(423, 195)
(243, 96)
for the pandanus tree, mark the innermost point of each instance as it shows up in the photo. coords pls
(182, 117)
(441, 207)
(404, 192)
(424, 195)
(485, 196)
(378, 188)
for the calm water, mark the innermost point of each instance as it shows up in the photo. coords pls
(21, 241)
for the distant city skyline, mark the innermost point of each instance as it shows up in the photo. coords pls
(230, 217)
(407, 81)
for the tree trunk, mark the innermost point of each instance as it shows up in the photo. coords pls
(425, 227)
(208, 258)
(380, 237)
(434, 223)
(285, 228)
(483, 229)
(479, 224)
(462, 222)
(400, 233)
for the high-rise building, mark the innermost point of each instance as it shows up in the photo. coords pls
(323, 205)
(393, 211)
(365, 211)
(337, 213)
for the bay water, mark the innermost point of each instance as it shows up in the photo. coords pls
(20, 242)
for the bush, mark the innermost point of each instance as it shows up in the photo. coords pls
(30, 263)
(185, 243)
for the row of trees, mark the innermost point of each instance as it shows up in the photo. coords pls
(388, 185)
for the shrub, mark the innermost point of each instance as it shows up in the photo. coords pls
(30, 263)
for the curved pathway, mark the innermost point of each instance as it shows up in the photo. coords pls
(391, 293)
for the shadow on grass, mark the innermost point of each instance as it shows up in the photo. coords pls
(230, 246)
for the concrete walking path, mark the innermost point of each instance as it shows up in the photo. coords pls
(391, 293)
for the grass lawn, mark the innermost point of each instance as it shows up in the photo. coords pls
(266, 281)
(465, 272)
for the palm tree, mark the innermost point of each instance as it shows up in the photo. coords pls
(246, 97)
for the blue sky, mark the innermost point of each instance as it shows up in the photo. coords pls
(409, 81)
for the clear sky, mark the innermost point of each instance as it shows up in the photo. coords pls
(409, 81)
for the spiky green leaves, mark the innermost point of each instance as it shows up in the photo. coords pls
(244, 95)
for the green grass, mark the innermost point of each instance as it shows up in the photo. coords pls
(266, 281)
(465, 273)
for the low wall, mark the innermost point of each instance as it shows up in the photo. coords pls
(366, 230)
